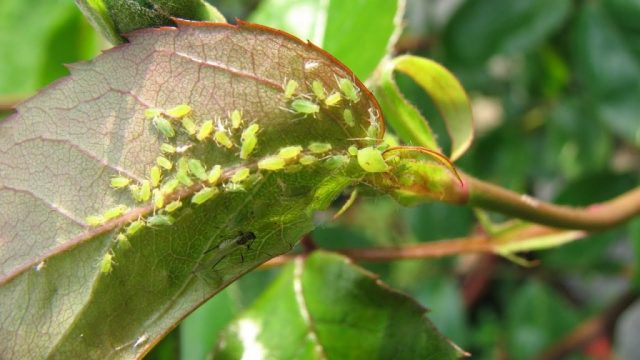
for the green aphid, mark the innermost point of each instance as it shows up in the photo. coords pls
(170, 186)
(155, 175)
(179, 111)
(115, 212)
(240, 175)
(119, 182)
(352, 150)
(164, 126)
(307, 159)
(160, 220)
(336, 161)
(249, 141)
(349, 90)
(221, 138)
(205, 194)
(306, 107)
(168, 148)
(173, 206)
(134, 227)
(95, 220)
(333, 99)
(183, 177)
(158, 199)
(289, 152)
(197, 169)
(236, 119)
(214, 174)
(370, 159)
(271, 163)
(318, 90)
(123, 241)
(319, 148)
(106, 263)
(145, 191)
(164, 162)
(347, 115)
(373, 131)
(205, 130)
(152, 113)
(290, 89)
(183, 164)
(189, 125)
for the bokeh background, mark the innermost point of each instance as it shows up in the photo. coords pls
(555, 87)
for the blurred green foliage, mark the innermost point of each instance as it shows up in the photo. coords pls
(555, 86)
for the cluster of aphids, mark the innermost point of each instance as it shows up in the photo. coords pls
(174, 170)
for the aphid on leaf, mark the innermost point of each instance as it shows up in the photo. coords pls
(95, 220)
(160, 220)
(236, 119)
(226, 247)
(155, 175)
(319, 148)
(189, 125)
(240, 175)
(158, 199)
(305, 107)
(370, 159)
(347, 115)
(115, 212)
(123, 241)
(197, 169)
(307, 159)
(289, 152)
(164, 126)
(336, 161)
(221, 138)
(164, 162)
(290, 89)
(214, 174)
(173, 206)
(134, 227)
(106, 263)
(167, 148)
(271, 163)
(204, 194)
(349, 90)
(373, 131)
(170, 186)
(249, 140)
(119, 182)
(183, 177)
(318, 90)
(333, 99)
(179, 111)
(142, 192)
(152, 113)
(205, 130)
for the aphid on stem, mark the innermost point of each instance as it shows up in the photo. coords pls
(135, 226)
(158, 199)
(115, 212)
(271, 163)
(155, 175)
(173, 206)
(95, 220)
(240, 175)
(249, 140)
(205, 194)
(160, 220)
(197, 169)
(214, 174)
(289, 152)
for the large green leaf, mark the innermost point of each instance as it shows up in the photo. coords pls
(324, 307)
(60, 152)
(359, 33)
(610, 69)
(36, 38)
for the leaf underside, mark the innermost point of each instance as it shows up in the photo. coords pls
(59, 153)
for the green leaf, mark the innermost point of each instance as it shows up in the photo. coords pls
(337, 26)
(325, 307)
(610, 70)
(36, 39)
(482, 28)
(445, 91)
(59, 153)
(114, 18)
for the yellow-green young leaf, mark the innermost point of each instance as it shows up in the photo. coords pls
(445, 91)
(78, 134)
